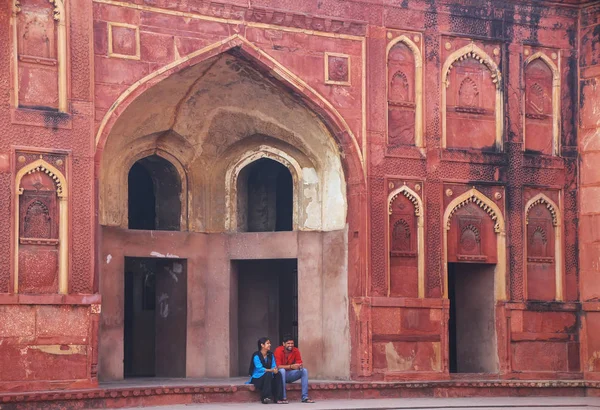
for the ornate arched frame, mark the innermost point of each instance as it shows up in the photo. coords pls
(419, 213)
(63, 228)
(183, 178)
(555, 100)
(476, 197)
(60, 17)
(472, 51)
(318, 101)
(419, 142)
(558, 254)
(248, 157)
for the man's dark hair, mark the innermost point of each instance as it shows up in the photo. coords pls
(287, 337)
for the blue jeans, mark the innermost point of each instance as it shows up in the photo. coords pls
(290, 376)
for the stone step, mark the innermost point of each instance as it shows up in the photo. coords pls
(153, 392)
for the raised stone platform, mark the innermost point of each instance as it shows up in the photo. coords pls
(157, 392)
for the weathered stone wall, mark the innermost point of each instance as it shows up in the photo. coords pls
(472, 106)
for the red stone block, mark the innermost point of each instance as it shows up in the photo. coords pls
(17, 321)
(62, 321)
(540, 356)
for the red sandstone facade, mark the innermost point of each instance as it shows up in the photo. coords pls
(442, 156)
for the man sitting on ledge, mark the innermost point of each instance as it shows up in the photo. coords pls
(289, 363)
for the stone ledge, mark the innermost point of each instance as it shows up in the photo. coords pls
(49, 299)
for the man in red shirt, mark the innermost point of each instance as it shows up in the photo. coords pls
(289, 363)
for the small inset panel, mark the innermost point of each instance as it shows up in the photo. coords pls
(123, 41)
(337, 69)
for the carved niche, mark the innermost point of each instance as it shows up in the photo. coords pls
(403, 246)
(541, 284)
(472, 237)
(471, 97)
(38, 216)
(538, 107)
(401, 95)
(37, 54)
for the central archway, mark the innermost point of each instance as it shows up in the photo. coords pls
(215, 113)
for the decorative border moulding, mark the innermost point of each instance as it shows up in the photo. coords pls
(257, 17)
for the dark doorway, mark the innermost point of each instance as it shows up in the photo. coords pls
(267, 305)
(265, 197)
(154, 200)
(472, 324)
(155, 317)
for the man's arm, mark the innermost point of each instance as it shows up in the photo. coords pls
(298, 357)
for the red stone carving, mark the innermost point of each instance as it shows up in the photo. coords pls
(401, 96)
(37, 55)
(540, 254)
(38, 234)
(472, 237)
(470, 106)
(124, 40)
(538, 107)
(338, 68)
(403, 247)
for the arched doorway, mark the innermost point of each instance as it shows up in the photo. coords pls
(154, 195)
(475, 266)
(242, 119)
(265, 197)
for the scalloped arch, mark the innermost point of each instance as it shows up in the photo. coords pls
(408, 193)
(550, 205)
(42, 166)
(479, 199)
(472, 51)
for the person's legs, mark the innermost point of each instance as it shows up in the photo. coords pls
(264, 384)
(278, 387)
(293, 375)
(304, 375)
(283, 374)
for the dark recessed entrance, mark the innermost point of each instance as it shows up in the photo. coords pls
(154, 198)
(267, 305)
(155, 317)
(472, 325)
(265, 197)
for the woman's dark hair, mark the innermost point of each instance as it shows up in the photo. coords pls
(262, 341)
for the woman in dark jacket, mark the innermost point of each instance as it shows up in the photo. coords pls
(264, 374)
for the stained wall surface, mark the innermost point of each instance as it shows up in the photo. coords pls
(417, 133)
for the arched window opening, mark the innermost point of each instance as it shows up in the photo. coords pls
(265, 197)
(154, 195)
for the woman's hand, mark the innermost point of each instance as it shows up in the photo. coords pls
(275, 370)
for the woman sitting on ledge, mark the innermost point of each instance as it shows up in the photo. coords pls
(264, 374)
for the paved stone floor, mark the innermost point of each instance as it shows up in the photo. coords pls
(494, 403)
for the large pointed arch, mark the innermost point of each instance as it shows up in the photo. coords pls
(558, 254)
(418, 84)
(419, 213)
(333, 119)
(555, 99)
(63, 225)
(472, 51)
(485, 203)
